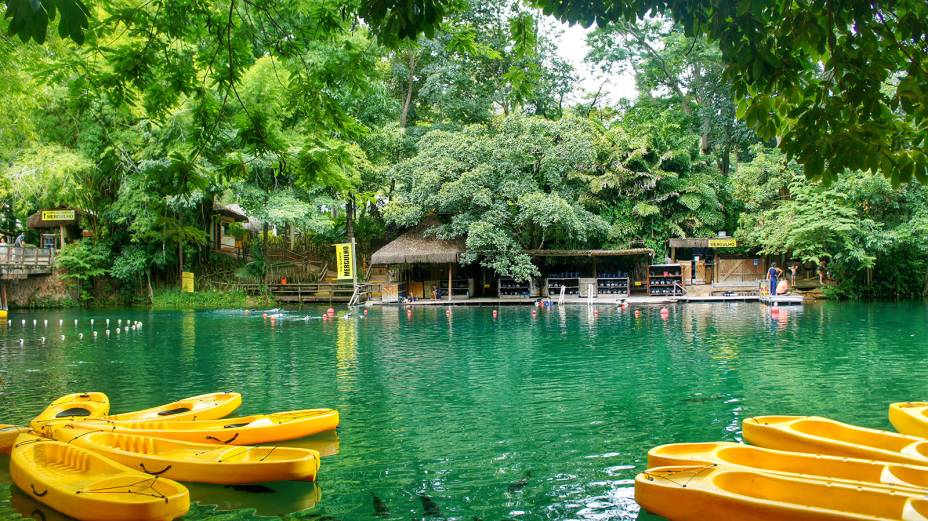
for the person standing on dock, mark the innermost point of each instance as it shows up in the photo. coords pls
(773, 274)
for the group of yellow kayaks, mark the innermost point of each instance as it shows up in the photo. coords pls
(796, 468)
(78, 459)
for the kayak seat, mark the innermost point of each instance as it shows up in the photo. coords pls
(174, 411)
(234, 425)
(73, 411)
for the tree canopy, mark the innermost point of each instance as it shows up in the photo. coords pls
(840, 83)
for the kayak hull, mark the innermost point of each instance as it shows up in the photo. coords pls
(70, 407)
(87, 486)
(737, 494)
(212, 406)
(197, 462)
(8, 435)
(832, 468)
(910, 418)
(824, 436)
(247, 430)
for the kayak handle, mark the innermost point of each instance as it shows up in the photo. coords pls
(153, 473)
(230, 440)
(36, 492)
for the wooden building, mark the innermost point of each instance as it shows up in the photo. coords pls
(424, 267)
(705, 261)
(56, 226)
(221, 237)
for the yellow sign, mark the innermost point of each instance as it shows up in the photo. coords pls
(186, 282)
(723, 243)
(58, 215)
(344, 261)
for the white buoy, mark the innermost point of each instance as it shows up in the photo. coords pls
(119, 321)
(91, 322)
(117, 330)
(62, 337)
(80, 335)
(45, 323)
(75, 322)
(21, 341)
(60, 322)
(42, 339)
(107, 322)
(34, 322)
(95, 334)
(24, 323)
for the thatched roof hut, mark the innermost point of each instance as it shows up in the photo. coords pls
(232, 211)
(54, 218)
(414, 247)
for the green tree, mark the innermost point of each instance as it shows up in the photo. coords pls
(502, 190)
(840, 83)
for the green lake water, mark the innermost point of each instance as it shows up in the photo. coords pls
(518, 417)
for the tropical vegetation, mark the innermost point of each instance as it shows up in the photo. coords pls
(800, 129)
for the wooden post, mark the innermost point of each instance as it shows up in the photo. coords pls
(673, 253)
(450, 266)
(61, 232)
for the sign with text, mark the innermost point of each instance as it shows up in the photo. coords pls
(723, 243)
(344, 261)
(58, 215)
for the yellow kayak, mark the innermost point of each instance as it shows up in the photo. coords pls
(8, 434)
(199, 462)
(824, 436)
(831, 468)
(210, 406)
(72, 407)
(87, 486)
(246, 430)
(910, 418)
(708, 492)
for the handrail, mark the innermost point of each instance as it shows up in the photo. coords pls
(20, 256)
(324, 271)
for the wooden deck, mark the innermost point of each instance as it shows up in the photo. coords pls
(303, 292)
(512, 301)
(19, 263)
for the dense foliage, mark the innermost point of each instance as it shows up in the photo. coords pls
(333, 120)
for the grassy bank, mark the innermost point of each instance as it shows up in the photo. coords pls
(208, 299)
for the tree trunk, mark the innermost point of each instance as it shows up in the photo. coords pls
(410, 84)
(180, 262)
(151, 294)
(349, 217)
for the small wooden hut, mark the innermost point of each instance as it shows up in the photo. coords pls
(56, 226)
(415, 260)
(220, 236)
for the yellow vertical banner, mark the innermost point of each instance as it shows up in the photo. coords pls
(344, 262)
(186, 282)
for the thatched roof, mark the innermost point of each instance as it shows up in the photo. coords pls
(233, 211)
(591, 253)
(414, 247)
(38, 220)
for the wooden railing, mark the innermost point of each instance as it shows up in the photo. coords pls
(19, 257)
